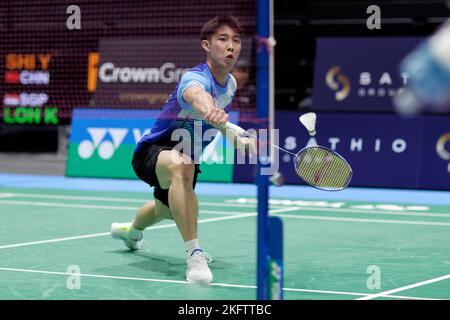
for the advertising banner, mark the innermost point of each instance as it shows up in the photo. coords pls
(102, 143)
(359, 74)
(435, 163)
(138, 73)
(384, 150)
(141, 73)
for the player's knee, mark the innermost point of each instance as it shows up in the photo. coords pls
(183, 172)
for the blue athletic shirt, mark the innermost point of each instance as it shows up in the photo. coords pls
(177, 113)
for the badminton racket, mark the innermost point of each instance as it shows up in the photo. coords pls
(318, 166)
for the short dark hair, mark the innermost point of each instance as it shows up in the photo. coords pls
(211, 27)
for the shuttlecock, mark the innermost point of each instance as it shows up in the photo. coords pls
(277, 179)
(309, 121)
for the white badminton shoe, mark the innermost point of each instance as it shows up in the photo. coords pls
(197, 267)
(122, 231)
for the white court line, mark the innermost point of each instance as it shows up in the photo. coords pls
(226, 213)
(400, 213)
(186, 282)
(228, 217)
(421, 223)
(355, 294)
(108, 233)
(66, 205)
(94, 206)
(51, 204)
(109, 199)
(66, 197)
(216, 204)
(54, 240)
(415, 285)
(275, 211)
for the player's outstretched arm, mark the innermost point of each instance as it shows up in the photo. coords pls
(203, 103)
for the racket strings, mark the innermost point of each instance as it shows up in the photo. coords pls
(322, 168)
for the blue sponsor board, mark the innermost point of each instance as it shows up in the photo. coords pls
(102, 141)
(138, 120)
(102, 144)
(359, 74)
(384, 150)
(435, 162)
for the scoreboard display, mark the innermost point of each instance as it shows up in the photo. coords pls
(123, 54)
(26, 98)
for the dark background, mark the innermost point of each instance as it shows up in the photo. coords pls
(298, 26)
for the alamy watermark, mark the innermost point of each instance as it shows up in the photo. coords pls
(249, 149)
(374, 280)
(73, 281)
(73, 22)
(374, 21)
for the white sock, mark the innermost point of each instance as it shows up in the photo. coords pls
(192, 246)
(135, 234)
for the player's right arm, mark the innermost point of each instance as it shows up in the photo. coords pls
(203, 103)
(193, 94)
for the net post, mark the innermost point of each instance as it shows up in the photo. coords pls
(262, 108)
(276, 268)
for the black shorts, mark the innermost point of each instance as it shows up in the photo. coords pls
(144, 165)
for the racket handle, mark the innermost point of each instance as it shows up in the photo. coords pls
(235, 127)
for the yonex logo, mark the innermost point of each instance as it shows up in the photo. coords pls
(104, 147)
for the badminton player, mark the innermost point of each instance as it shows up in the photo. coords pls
(204, 95)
